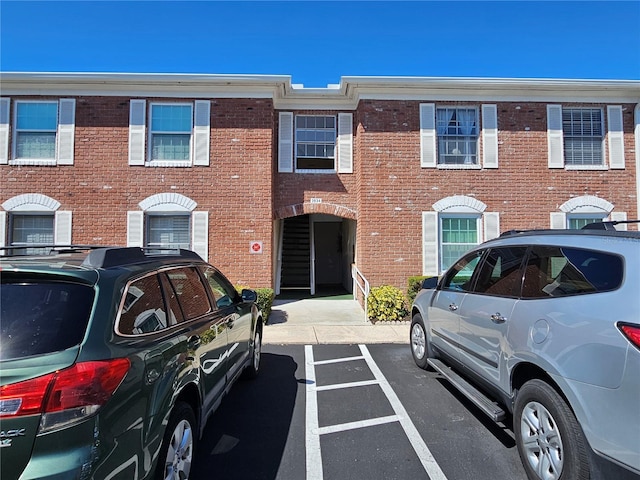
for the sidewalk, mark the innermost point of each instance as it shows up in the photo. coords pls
(315, 321)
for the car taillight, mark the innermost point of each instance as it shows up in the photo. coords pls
(66, 396)
(632, 332)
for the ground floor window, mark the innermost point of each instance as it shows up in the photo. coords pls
(31, 229)
(458, 234)
(576, 222)
(168, 231)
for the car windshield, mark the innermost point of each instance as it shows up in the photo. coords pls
(39, 317)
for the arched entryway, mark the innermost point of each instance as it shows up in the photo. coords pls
(315, 251)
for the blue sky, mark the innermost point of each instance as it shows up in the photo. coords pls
(317, 42)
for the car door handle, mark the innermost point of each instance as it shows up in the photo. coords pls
(229, 320)
(497, 318)
(453, 307)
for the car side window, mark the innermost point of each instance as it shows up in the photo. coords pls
(563, 271)
(190, 292)
(222, 291)
(459, 276)
(500, 272)
(143, 309)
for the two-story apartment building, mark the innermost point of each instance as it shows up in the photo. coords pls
(289, 187)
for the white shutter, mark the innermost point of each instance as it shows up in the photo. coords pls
(619, 217)
(201, 132)
(555, 137)
(4, 130)
(200, 239)
(491, 225)
(135, 226)
(66, 131)
(490, 136)
(62, 226)
(3, 229)
(285, 142)
(428, 135)
(345, 143)
(430, 243)
(137, 114)
(558, 220)
(616, 136)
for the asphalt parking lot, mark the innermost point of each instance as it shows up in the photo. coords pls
(351, 412)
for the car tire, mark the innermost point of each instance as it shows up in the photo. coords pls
(550, 440)
(420, 349)
(256, 352)
(178, 445)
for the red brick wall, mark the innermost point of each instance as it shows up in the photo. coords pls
(394, 190)
(101, 187)
(243, 191)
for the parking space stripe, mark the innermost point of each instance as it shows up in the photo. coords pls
(312, 438)
(337, 386)
(313, 430)
(424, 454)
(361, 424)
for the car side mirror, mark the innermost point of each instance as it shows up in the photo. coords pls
(430, 283)
(249, 296)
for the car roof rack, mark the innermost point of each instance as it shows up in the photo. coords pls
(607, 225)
(44, 249)
(122, 256)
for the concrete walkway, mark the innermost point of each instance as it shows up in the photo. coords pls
(314, 321)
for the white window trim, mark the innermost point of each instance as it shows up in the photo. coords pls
(456, 205)
(333, 170)
(170, 163)
(170, 203)
(38, 203)
(64, 134)
(586, 206)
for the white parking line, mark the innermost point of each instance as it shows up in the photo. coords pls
(313, 432)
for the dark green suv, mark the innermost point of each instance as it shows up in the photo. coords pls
(112, 359)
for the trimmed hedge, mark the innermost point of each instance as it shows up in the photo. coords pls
(386, 304)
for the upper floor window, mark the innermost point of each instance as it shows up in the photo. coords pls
(457, 130)
(583, 136)
(315, 142)
(36, 127)
(170, 132)
(43, 132)
(175, 135)
(451, 136)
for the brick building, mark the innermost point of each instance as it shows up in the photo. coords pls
(289, 187)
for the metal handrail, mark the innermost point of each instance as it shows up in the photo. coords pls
(362, 284)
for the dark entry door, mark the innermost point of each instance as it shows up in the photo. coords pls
(328, 252)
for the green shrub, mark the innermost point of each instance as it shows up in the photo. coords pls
(264, 302)
(386, 303)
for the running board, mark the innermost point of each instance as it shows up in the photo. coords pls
(480, 400)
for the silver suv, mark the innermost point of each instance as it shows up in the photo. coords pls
(543, 328)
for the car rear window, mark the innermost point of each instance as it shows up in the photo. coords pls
(42, 317)
(562, 271)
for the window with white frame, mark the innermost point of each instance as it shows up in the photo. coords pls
(458, 234)
(583, 136)
(31, 229)
(175, 134)
(315, 142)
(168, 231)
(43, 132)
(36, 127)
(457, 130)
(170, 132)
(577, 221)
